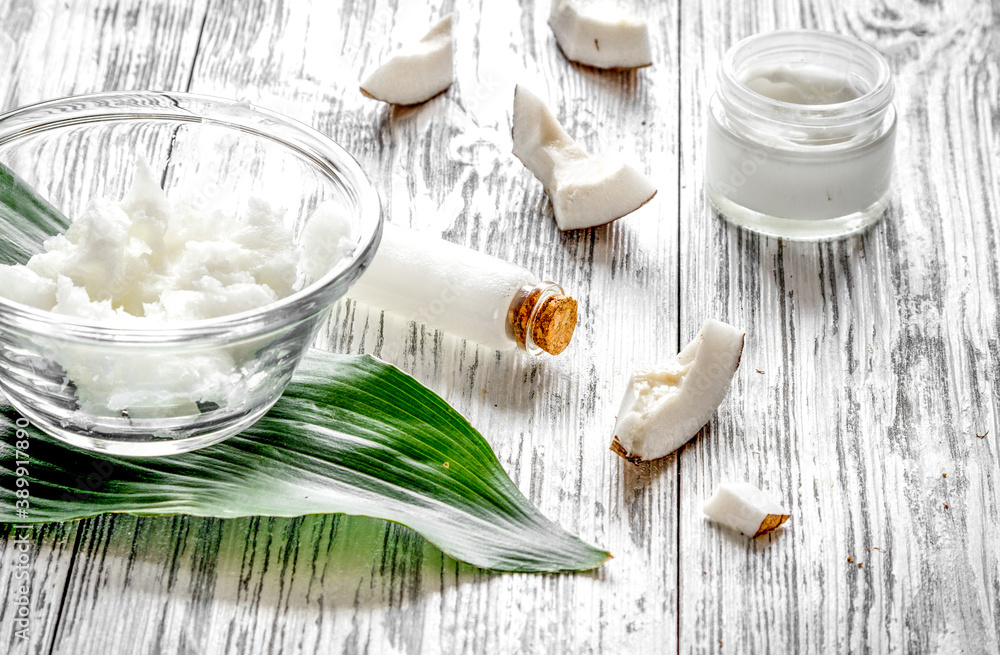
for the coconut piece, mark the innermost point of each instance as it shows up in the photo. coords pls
(665, 406)
(416, 72)
(585, 190)
(601, 34)
(745, 508)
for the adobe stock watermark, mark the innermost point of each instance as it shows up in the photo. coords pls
(426, 315)
(20, 539)
(741, 174)
(84, 485)
(475, 99)
(204, 195)
(21, 542)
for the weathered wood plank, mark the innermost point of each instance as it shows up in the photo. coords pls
(61, 49)
(443, 167)
(878, 354)
(52, 49)
(876, 357)
(37, 561)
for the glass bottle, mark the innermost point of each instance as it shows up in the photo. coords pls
(466, 293)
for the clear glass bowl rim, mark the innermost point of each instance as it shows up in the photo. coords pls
(328, 156)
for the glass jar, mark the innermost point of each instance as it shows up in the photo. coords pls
(801, 132)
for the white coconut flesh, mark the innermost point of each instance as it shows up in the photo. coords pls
(585, 190)
(665, 406)
(745, 508)
(416, 72)
(600, 33)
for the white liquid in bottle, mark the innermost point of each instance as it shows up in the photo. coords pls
(463, 292)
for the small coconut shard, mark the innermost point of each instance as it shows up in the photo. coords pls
(665, 406)
(416, 72)
(771, 522)
(617, 449)
(745, 508)
(586, 191)
(600, 33)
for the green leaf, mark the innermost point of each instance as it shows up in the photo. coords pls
(32, 216)
(351, 434)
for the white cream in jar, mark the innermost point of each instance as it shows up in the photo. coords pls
(801, 133)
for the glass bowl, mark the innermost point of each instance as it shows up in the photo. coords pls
(172, 387)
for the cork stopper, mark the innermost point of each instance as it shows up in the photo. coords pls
(554, 324)
(545, 318)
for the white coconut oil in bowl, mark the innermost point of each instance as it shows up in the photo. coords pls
(801, 133)
(126, 381)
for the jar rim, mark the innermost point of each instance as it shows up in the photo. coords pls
(320, 150)
(873, 101)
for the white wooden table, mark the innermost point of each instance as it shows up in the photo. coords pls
(871, 363)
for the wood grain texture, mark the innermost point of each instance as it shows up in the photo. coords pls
(49, 559)
(870, 367)
(878, 354)
(283, 586)
(50, 49)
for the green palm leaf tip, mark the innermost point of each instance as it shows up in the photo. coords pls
(351, 435)
(26, 219)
